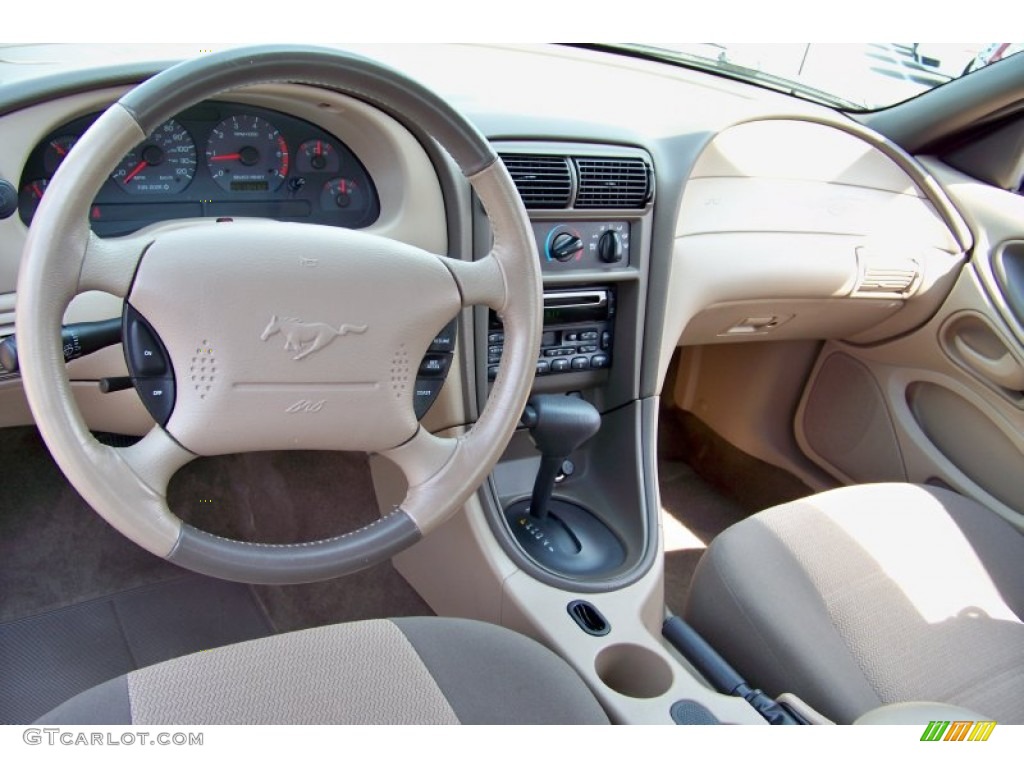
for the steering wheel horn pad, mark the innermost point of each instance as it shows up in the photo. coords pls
(288, 336)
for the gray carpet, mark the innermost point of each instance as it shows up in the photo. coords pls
(707, 484)
(47, 659)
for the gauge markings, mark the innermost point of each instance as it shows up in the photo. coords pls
(164, 163)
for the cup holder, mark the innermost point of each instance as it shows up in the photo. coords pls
(633, 671)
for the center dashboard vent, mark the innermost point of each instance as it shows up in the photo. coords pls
(543, 181)
(612, 182)
(561, 181)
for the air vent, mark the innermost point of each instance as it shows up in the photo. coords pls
(612, 182)
(543, 181)
(882, 275)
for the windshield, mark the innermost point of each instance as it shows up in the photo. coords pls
(851, 75)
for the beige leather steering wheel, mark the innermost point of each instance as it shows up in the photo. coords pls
(208, 290)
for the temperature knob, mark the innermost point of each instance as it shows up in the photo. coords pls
(609, 247)
(565, 246)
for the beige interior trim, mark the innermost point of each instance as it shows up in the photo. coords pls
(795, 224)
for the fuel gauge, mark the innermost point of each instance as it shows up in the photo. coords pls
(318, 157)
(342, 194)
(29, 197)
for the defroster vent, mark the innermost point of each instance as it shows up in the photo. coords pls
(544, 181)
(612, 182)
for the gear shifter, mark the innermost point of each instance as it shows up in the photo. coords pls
(558, 426)
(558, 534)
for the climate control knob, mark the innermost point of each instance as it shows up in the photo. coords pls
(565, 246)
(609, 247)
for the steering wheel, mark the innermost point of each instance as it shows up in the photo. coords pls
(207, 291)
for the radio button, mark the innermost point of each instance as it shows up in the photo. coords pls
(586, 348)
(588, 336)
(543, 367)
(435, 365)
(570, 336)
(492, 372)
(599, 361)
(495, 338)
(495, 350)
(560, 365)
(606, 340)
(580, 363)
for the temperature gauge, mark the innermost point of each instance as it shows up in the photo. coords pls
(318, 157)
(29, 197)
(344, 194)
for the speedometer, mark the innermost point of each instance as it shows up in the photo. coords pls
(164, 163)
(247, 154)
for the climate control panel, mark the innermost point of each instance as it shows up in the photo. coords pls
(566, 246)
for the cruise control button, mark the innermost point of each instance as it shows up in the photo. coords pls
(435, 365)
(559, 365)
(580, 363)
(599, 361)
(543, 367)
(158, 397)
(445, 340)
(146, 356)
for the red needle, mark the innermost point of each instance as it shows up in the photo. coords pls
(60, 150)
(36, 188)
(135, 171)
(235, 156)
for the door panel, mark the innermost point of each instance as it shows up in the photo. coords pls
(944, 404)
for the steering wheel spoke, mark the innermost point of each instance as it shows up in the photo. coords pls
(481, 282)
(155, 459)
(110, 264)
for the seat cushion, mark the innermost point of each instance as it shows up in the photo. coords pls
(401, 671)
(871, 595)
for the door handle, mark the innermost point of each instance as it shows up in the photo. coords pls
(1005, 370)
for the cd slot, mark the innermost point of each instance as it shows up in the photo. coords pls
(566, 299)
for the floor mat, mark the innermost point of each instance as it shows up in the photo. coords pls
(47, 659)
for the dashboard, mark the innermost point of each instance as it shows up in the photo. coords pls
(217, 159)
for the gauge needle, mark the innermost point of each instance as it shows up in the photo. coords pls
(58, 148)
(235, 156)
(135, 171)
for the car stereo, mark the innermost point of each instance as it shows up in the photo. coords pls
(578, 330)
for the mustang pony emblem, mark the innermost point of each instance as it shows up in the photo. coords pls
(305, 338)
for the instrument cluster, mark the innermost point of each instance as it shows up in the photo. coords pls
(217, 159)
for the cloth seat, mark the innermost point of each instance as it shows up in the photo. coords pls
(416, 670)
(870, 595)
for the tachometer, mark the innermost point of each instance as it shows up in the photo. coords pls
(247, 154)
(164, 163)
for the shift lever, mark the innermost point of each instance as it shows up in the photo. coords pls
(558, 426)
(561, 534)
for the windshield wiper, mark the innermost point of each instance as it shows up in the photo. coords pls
(725, 69)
